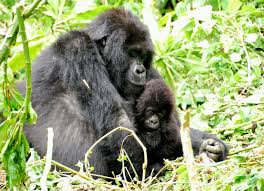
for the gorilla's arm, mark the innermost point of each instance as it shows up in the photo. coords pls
(171, 146)
(215, 148)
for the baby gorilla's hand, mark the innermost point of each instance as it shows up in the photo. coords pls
(214, 149)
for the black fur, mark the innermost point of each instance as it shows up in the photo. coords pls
(164, 141)
(80, 115)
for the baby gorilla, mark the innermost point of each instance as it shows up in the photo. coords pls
(158, 127)
(154, 109)
(156, 124)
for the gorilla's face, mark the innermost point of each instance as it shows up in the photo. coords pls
(128, 62)
(153, 123)
(136, 74)
(152, 119)
(139, 61)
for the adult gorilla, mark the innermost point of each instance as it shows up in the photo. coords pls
(113, 55)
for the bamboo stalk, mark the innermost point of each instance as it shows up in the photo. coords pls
(22, 32)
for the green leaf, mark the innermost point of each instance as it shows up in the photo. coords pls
(83, 6)
(163, 20)
(260, 184)
(231, 5)
(239, 158)
(90, 14)
(17, 62)
(122, 157)
(4, 127)
(239, 178)
(10, 75)
(215, 4)
(14, 162)
(32, 115)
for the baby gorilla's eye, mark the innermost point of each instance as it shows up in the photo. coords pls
(149, 113)
(162, 114)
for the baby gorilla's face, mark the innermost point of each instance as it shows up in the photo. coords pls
(152, 126)
(152, 120)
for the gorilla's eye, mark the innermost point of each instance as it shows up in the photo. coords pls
(149, 113)
(133, 53)
(147, 59)
(162, 114)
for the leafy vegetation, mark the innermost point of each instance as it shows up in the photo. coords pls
(210, 52)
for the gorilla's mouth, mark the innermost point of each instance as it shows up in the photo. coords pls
(151, 132)
(137, 80)
(137, 83)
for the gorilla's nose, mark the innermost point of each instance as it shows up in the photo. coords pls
(140, 70)
(154, 121)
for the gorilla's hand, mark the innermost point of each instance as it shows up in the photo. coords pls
(214, 149)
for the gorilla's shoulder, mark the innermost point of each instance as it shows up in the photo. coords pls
(73, 40)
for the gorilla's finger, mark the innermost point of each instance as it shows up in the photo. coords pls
(212, 156)
(205, 143)
(214, 149)
(203, 146)
(221, 145)
(210, 141)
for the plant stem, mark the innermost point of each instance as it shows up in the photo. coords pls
(43, 180)
(244, 149)
(188, 153)
(80, 174)
(27, 59)
(246, 125)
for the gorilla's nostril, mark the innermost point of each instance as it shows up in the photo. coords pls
(154, 121)
(140, 70)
